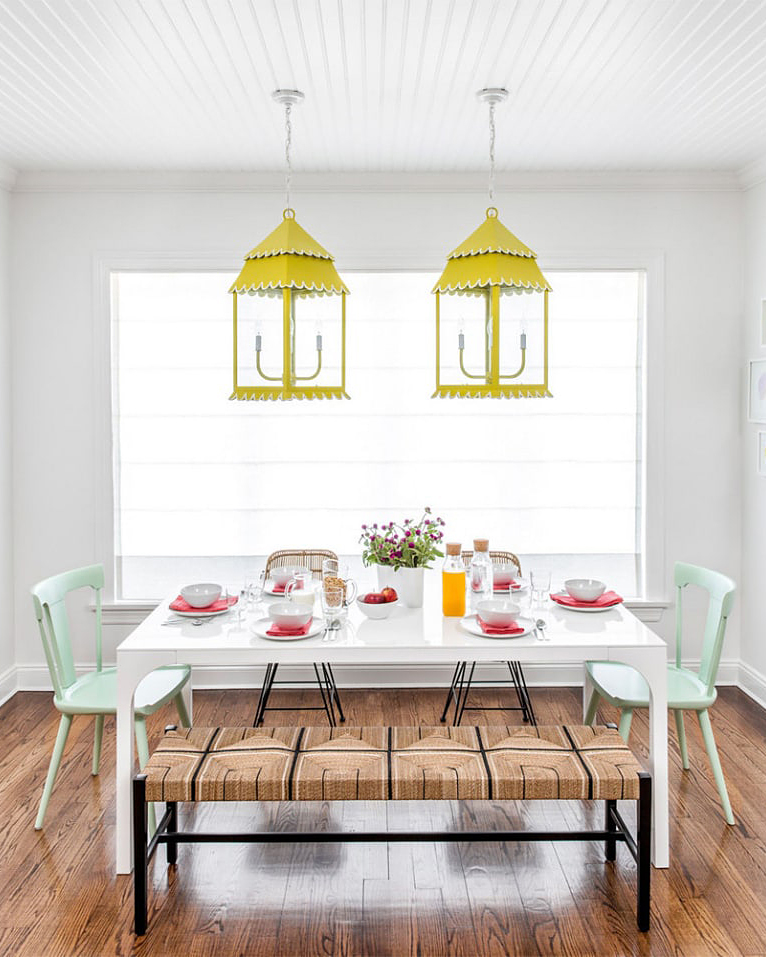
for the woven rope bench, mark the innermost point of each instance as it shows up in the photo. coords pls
(498, 763)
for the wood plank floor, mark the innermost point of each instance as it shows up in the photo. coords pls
(59, 896)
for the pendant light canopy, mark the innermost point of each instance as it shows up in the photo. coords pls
(489, 265)
(290, 265)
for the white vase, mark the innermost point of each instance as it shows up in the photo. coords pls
(408, 583)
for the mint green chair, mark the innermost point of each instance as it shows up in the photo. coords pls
(623, 687)
(94, 693)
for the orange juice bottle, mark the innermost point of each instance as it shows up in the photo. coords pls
(453, 582)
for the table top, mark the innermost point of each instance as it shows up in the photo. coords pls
(408, 635)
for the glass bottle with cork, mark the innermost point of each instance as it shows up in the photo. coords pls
(453, 582)
(480, 571)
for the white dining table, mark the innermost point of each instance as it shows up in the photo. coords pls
(408, 636)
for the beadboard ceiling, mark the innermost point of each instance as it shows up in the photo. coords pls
(390, 84)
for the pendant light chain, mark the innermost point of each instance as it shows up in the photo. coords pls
(288, 144)
(491, 153)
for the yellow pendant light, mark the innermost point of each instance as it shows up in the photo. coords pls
(490, 264)
(291, 265)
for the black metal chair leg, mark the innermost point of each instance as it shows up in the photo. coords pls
(530, 709)
(516, 683)
(334, 688)
(451, 692)
(263, 697)
(326, 699)
(466, 688)
(140, 854)
(458, 689)
(522, 692)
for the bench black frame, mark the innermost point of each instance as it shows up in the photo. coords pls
(615, 829)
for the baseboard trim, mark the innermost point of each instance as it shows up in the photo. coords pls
(31, 677)
(9, 683)
(753, 683)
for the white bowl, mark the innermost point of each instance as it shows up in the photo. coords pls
(283, 573)
(585, 589)
(377, 611)
(503, 575)
(288, 614)
(200, 596)
(498, 612)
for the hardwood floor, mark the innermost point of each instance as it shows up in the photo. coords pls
(59, 896)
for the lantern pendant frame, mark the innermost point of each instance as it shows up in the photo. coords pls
(491, 260)
(290, 263)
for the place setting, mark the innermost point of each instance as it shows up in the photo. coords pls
(288, 621)
(587, 595)
(283, 580)
(199, 602)
(506, 580)
(497, 618)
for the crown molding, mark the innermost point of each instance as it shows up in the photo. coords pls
(753, 174)
(30, 181)
(8, 177)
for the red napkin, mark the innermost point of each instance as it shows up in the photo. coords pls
(608, 599)
(495, 630)
(278, 589)
(513, 585)
(180, 604)
(285, 631)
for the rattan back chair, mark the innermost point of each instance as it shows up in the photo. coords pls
(463, 677)
(312, 559)
(498, 558)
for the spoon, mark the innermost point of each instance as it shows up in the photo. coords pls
(541, 626)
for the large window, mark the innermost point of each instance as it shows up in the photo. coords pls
(206, 486)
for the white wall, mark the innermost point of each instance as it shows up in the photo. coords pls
(7, 648)
(60, 465)
(753, 645)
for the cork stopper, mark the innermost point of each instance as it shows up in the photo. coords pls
(453, 548)
(481, 544)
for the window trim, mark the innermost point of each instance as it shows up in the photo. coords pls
(654, 573)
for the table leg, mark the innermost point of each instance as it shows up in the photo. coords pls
(131, 668)
(587, 691)
(652, 663)
(186, 694)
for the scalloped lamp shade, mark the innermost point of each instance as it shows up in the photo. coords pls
(290, 264)
(491, 263)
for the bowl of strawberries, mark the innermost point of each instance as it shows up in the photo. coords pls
(378, 604)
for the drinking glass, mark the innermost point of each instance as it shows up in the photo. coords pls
(338, 573)
(254, 584)
(332, 601)
(540, 582)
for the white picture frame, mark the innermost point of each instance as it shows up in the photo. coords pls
(762, 453)
(756, 404)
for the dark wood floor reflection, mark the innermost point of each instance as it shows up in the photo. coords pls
(59, 894)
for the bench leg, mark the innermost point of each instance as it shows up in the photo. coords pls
(644, 842)
(610, 845)
(140, 854)
(172, 846)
